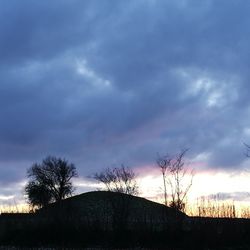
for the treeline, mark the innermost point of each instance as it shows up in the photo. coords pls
(215, 208)
(51, 181)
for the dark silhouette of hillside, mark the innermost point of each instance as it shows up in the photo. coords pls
(109, 219)
(113, 211)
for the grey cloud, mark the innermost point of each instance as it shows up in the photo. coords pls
(235, 196)
(116, 82)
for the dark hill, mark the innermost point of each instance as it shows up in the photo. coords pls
(108, 219)
(113, 211)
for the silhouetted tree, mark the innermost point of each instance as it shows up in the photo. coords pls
(163, 162)
(49, 181)
(175, 175)
(118, 179)
(38, 194)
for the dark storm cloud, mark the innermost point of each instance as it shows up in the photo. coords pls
(110, 82)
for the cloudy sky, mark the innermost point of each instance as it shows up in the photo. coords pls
(109, 82)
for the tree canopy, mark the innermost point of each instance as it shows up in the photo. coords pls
(49, 181)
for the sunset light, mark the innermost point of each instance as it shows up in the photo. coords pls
(125, 124)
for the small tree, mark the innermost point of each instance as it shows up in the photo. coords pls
(163, 162)
(49, 181)
(179, 190)
(118, 179)
(174, 175)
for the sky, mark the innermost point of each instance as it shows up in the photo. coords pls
(104, 83)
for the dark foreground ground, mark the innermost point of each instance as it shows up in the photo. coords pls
(136, 248)
(104, 220)
(189, 233)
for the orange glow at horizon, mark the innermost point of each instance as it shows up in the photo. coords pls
(205, 183)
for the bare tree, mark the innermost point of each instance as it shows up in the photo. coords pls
(164, 162)
(179, 189)
(118, 179)
(175, 176)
